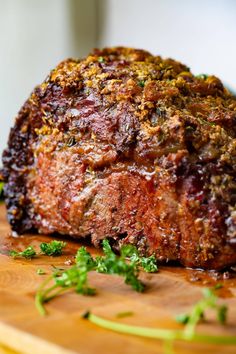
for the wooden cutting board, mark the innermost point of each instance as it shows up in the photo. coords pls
(171, 291)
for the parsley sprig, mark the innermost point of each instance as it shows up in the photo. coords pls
(127, 265)
(53, 248)
(188, 333)
(198, 312)
(113, 264)
(159, 333)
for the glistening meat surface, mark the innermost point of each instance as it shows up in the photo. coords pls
(131, 147)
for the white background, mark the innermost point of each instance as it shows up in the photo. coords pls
(36, 34)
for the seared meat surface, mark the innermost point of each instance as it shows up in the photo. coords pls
(131, 147)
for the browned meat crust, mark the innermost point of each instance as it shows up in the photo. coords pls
(126, 145)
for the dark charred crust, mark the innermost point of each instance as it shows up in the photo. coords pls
(131, 147)
(16, 161)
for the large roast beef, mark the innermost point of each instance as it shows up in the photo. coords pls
(132, 147)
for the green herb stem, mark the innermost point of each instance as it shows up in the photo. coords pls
(39, 304)
(39, 297)
(47, 291)
(56, 293)
(159, 333)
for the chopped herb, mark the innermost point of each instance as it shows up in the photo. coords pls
(141, 83)
(40, 271)
(28, 253)
(53, 248)
(124, 314)
(101, 60)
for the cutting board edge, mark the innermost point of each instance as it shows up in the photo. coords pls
(27, 343)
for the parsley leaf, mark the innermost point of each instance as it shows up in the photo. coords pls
(141, 83)
(53, 248)
(28, 253)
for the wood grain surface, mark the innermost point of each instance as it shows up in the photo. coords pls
(171, 291)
